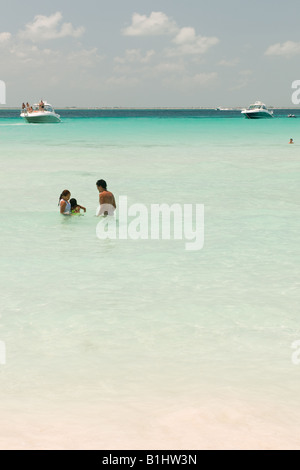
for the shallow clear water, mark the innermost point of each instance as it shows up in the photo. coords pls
(142, 344)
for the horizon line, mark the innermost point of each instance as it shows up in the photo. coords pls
(230, 108)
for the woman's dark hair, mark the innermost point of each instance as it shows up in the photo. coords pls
(101, 183)
(73, 203)
(64, 193)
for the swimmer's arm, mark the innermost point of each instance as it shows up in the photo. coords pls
(83, 208)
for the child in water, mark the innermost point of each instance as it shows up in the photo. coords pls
(75, 208)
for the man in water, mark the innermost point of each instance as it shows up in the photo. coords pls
(106, 199)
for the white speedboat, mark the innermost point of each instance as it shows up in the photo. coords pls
(257, 110)
(40, 114)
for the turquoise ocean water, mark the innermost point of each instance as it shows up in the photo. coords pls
(140, 344)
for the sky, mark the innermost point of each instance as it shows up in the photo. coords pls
(142, 53)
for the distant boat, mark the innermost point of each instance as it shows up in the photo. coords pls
(257, 110)
(40, 115)
(291, 116)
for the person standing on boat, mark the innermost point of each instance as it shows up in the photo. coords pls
(41, 106)
(64, 204)
(106, 199)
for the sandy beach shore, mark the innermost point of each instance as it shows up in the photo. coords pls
(213, 426)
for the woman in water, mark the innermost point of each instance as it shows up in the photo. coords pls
(64, 204)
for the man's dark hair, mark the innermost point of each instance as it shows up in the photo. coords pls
(101, 183)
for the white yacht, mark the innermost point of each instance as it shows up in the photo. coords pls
(257, 110)
(40, 113)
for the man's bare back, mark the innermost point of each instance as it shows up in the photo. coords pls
(106, 199)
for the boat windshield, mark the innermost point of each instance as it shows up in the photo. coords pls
(47, 107)
(257, 106)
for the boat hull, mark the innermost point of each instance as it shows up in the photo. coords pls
(41, 118)
(257, 115)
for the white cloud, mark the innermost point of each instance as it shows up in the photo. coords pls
(135, 55)
(20, 51)
(49, 60)
(84, 57)
(287, 49)
(188, 43)
(49, 27)
(185, 35)
(32, 55)
(156, 24)
(4, 37)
